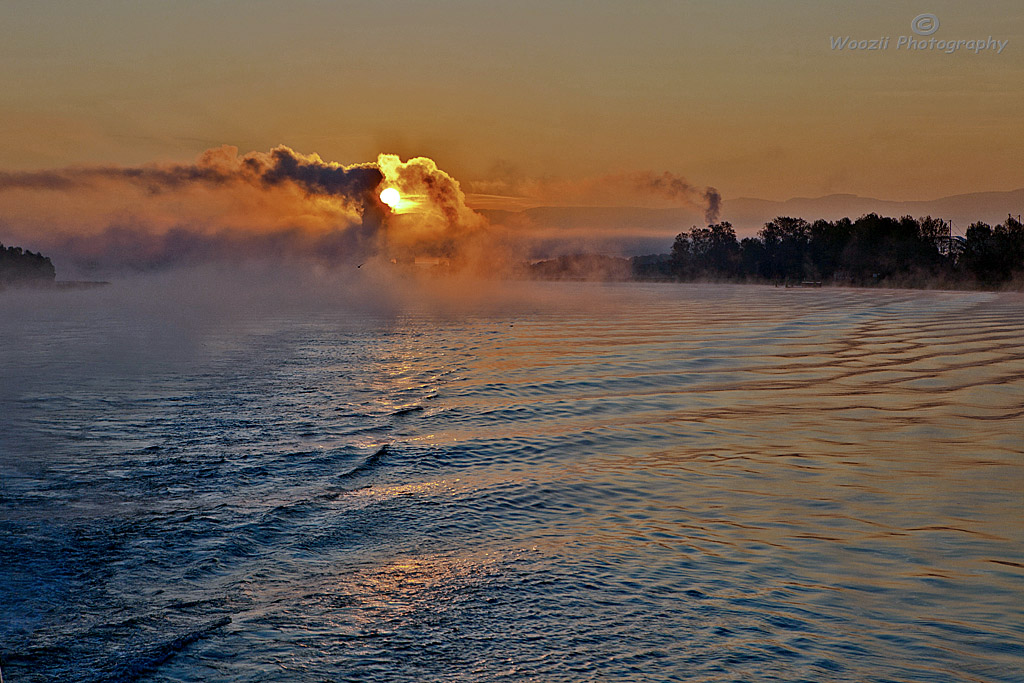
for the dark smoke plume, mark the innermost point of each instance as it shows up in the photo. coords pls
(214, 168)
(222, 206)
(228, 207)
(314, 175)
(714, 205)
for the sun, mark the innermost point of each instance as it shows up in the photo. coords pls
(390, 197)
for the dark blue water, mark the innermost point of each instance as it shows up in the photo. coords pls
(628, 483)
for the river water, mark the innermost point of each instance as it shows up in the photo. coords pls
(600, 482)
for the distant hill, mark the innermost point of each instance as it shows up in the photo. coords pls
(634, 230)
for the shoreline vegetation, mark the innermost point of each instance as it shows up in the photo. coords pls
(872, 251)
(23, 268)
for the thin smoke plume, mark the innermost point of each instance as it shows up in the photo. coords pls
(639, 187)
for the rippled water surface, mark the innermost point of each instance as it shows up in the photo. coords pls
(641, 483)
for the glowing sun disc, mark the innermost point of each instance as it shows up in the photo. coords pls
(390, 197)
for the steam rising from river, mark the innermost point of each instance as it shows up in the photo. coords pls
(293, 210)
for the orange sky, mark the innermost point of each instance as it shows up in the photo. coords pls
(745, 96)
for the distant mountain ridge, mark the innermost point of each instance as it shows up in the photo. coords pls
(962, 209)
(636, 230)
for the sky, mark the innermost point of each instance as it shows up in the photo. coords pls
(748, 97)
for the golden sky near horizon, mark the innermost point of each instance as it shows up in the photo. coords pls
(748, 97)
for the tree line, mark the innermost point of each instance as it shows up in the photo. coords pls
(870, 250)
(20, 265)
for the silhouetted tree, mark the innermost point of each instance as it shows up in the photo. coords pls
(682, 261)
(752, 258)
(825, 244)
(18, 265)
(934, 232)
(786, 242)
(872, 249)
(1010, 242)
(979, 257)
(707, 252)
(994, 255)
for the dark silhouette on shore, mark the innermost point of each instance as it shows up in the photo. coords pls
(20, 266)
(872, 250)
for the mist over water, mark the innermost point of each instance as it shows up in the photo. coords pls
(439, 480)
